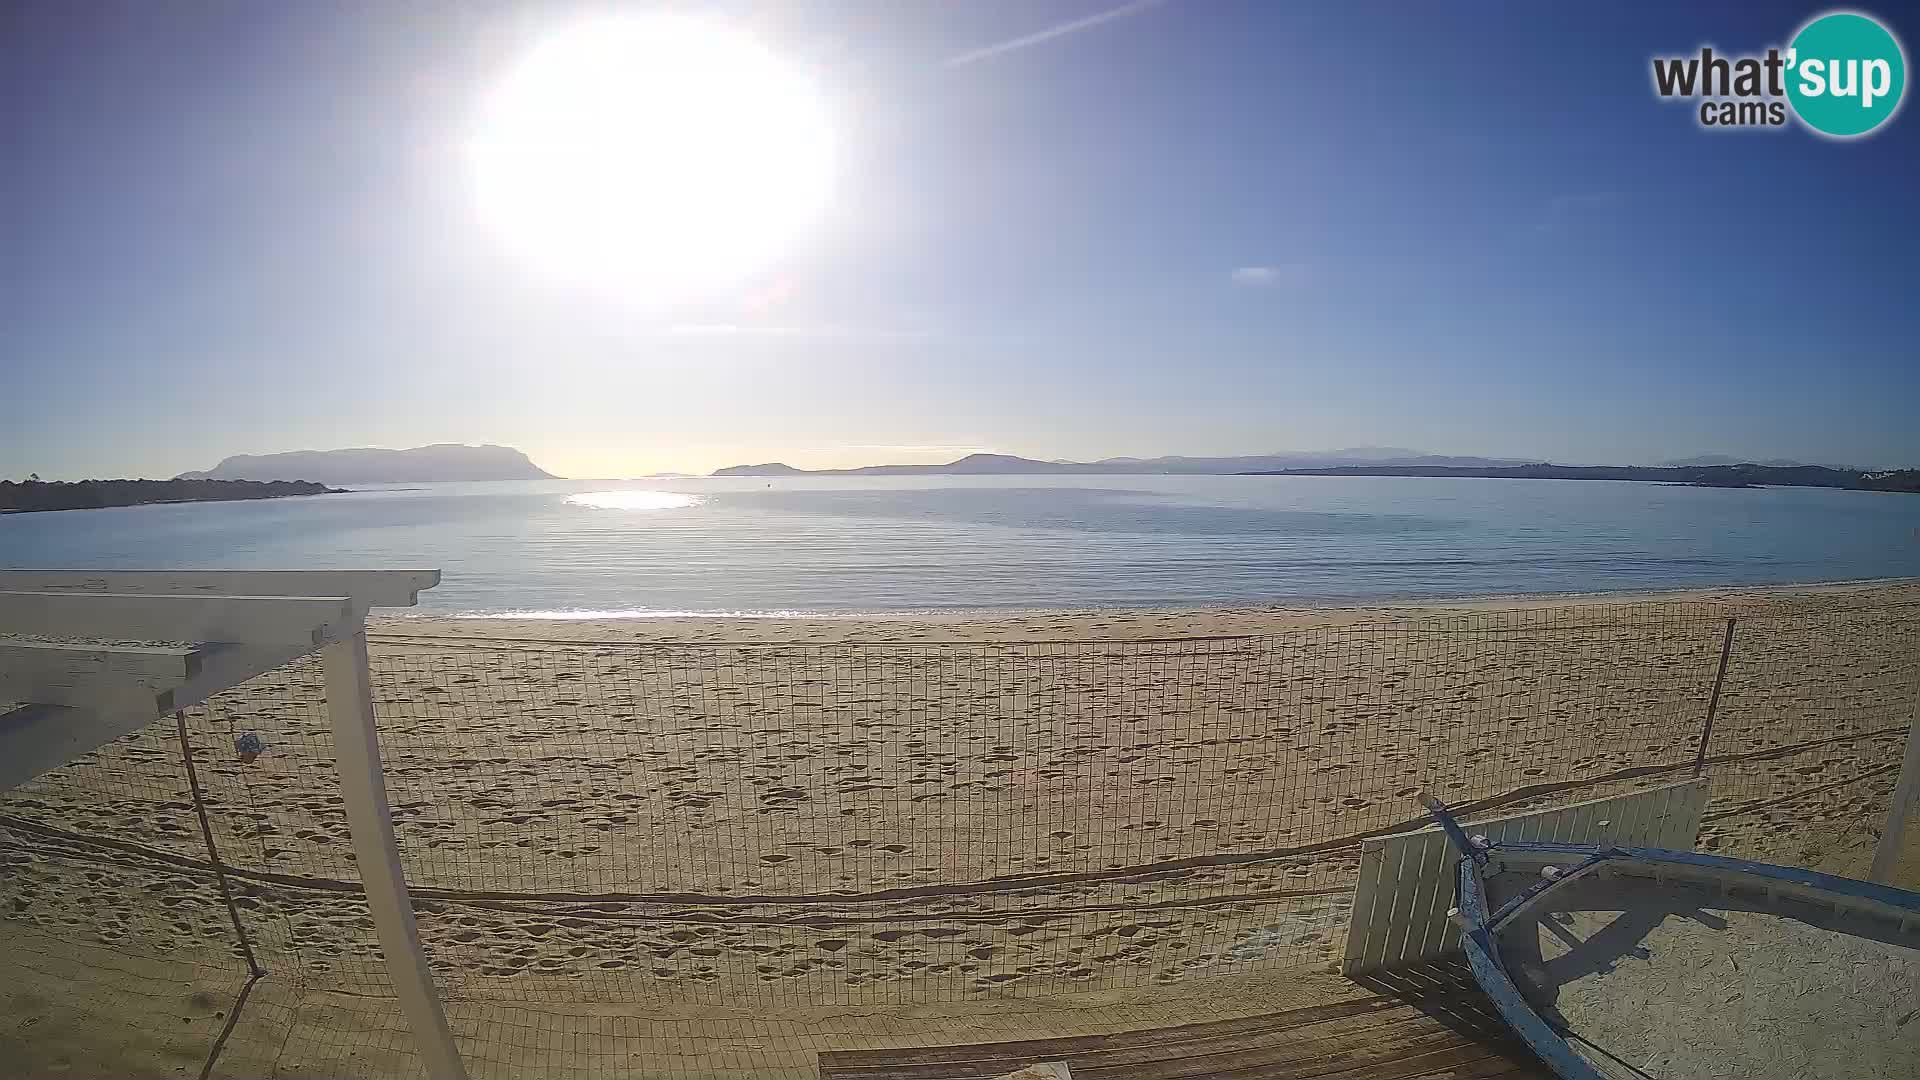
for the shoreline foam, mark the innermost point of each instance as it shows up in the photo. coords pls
(1325, 603)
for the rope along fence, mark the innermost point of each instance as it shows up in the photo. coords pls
(881, 823)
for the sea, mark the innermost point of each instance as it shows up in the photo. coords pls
(833, 545)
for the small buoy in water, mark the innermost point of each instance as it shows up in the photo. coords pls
(249, 746)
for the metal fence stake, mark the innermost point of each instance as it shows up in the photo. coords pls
(1713, 703)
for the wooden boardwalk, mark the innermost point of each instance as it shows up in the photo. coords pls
(1420, 1026)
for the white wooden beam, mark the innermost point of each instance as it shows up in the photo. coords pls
(47, 734)
(370, 588)
(60, 659)
(280, 620)
(38, 738)
(130, 699)
(55, 673)
(223, 667)
(363, 785)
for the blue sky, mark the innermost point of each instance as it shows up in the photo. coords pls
(243, 228)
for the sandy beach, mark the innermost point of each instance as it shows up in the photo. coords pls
(893, 817)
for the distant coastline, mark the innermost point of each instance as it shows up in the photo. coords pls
(1011, 465)
(1386, 461)
(38, 496)
(1719, 476)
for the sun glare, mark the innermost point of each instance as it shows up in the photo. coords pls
(658, 155)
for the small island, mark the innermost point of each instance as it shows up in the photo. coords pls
(439, 463)
(32, 495)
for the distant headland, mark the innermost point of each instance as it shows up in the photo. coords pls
(275, 476)
(31, 495)
(441, 462)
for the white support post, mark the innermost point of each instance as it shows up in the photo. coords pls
(364, 784)
(1906, 801)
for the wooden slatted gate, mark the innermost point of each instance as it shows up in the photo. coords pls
(1407, 880)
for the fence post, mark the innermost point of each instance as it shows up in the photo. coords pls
(1713, 703)
(1906, 799)
(213, 851)
(364, 787)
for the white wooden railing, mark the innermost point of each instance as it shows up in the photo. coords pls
(220, 628)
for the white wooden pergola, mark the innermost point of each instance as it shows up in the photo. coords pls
(76, 685)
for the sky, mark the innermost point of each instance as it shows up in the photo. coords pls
(1055, 228)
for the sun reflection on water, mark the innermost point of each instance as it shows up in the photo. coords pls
(633, 500)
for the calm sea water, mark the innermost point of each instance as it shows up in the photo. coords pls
(870, 544)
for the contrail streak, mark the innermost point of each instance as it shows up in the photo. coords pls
(1052, 32)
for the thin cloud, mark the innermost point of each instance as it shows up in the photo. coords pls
(1062, 30)
(1266, 277)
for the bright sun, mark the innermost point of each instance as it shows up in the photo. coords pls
(661, 156)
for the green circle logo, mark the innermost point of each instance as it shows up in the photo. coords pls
(1845, 74)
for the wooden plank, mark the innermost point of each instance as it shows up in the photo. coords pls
(37, 738)
(1665, 813)
(1525, 828)
(1583, 822)
(223, 667)
(1554, 826)
(1367, 923)
(1386, 916)
(54, 673)
(51, 659)
(1498, 1067)
(1678, 810)
(1274, 1043)
(1390, 856)
(1626, 821)
(1404, 884)
(1906, 802)
(1417, 1047)
(113, 702)
(369, 588)
(1271, 1045)
(1655, 823)
(289, 620)
(1427, 931)
(1414, 860)
(1683, 829)
(1065, 1047)
(1127, 1052)
(363, 785)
